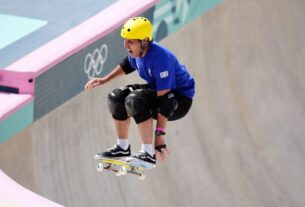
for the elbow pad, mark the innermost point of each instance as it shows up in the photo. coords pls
(125, 65)
(167, 104)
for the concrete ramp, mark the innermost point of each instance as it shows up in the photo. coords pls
(242, 143)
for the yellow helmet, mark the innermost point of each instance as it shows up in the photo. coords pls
(137, 28)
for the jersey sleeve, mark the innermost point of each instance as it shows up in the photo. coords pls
(127, 65)
(164, 73)
(132, 62)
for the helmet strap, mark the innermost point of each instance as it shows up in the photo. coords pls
(144, 45)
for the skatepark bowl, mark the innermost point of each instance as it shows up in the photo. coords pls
(241, 145)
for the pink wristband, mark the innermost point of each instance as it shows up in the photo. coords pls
(160, 129)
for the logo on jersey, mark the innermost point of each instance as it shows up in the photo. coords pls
(171, 95)
(164, 74)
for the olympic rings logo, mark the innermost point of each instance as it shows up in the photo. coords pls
(94, 62)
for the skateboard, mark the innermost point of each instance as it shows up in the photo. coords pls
(123, 166)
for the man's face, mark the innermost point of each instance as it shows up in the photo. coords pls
(133, 47)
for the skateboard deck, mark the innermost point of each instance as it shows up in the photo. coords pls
(124, 166)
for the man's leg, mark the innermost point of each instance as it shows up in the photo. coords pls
(138, 105)
(146, 133)
(116, 106)
(122, 128)
(122, 147)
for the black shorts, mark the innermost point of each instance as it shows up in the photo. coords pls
(184, 103)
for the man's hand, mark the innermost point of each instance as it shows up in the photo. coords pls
(162, 154)
(161, 148)
(94, 83)
(116, 72)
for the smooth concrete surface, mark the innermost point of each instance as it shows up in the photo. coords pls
(242, 143)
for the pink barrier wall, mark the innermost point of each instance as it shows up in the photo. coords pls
(70, 42)
(13, 194)
(10, 103)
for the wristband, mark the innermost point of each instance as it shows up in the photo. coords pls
(160, 131)
(160, 147)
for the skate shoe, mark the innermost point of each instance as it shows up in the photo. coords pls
(114, 152)
(146, 157)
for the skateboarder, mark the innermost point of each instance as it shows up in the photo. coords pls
(167, 96)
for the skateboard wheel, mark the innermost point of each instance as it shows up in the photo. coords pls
(118, 173)
(142, 177)
(99, 167)
(123, 171)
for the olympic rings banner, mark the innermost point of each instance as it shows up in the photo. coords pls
(94, 61)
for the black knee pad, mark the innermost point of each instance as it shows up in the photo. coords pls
(116, 103)
(138, 105)
(167, 104)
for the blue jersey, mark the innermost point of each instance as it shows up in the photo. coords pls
(162, 70)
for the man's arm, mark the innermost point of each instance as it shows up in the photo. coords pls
(162, 120)
(164, 101)
(124, 67)
(118, 71)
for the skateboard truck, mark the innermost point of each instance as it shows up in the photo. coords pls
(123, 167)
